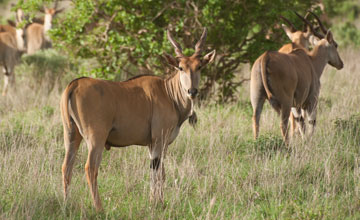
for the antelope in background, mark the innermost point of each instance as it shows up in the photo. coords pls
(302, 40)
(37, 34)
(145, 110)
(298, 38)
(292, 80)
(12, 45)
(300, 113)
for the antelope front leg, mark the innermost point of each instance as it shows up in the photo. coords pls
(9, 78)
(312, 121)
(297, 121)
(157, 174)
(157, 180)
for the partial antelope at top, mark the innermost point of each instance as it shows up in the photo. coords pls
(37, 34)
(12, 46)
(292, 80)
(299, 38)
(146, 110)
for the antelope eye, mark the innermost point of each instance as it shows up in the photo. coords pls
(180, 68)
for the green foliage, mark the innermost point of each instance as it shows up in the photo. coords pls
(338, 7)
(128, 37)
(348, 34)
(345, 13)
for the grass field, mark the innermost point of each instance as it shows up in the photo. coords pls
(215, 171)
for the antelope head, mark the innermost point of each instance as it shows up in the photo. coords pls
(50, 14)
(189, 66)
(333, 57)
(325, 38)
(299, 37)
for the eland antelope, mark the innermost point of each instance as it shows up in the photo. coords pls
(145, 110)
(37, 34)
(291, 80)
(299, 120)
(299, 39)
(12, 45)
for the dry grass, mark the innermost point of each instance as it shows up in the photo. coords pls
(213, 172)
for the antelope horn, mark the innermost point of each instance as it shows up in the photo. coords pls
(323, 29)
(42, 9)
(292, 27)
(305, 26)
(56, 4)
(200, 43)
(310, 25)
(176, 45)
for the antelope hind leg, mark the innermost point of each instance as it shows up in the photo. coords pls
(257, 102)
(72, 140)
(96, 149)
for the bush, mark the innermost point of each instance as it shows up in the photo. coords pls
(128, 37)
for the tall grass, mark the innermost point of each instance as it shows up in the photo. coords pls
(215, 171)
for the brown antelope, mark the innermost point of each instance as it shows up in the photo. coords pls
(145, 110)
(299, 39)
(12, 45)
(37, 34)
(291, 80)
(297, 115)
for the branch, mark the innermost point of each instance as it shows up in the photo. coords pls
(108, 25)
(162, 11)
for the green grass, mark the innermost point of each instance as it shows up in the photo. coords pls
(216, 171)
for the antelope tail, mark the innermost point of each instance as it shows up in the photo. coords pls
(64, 104)
(273, 101)
(264, 61)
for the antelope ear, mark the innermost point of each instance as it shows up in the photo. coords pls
(59, 11)
(329, 36)
(287, 31)
(42, 9)
(208, 58)
(11, 23)
(308, 32)
(171, 60)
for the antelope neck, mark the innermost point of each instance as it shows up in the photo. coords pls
(47, 23)
(319, 59)
(177, 94)
(20, 43)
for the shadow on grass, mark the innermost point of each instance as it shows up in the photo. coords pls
(266, 145)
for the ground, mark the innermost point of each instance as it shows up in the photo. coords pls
(215, 171)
